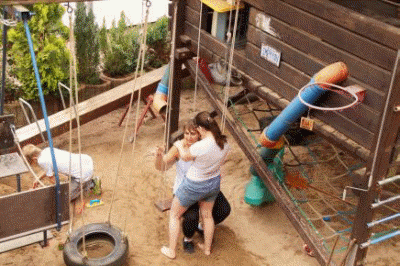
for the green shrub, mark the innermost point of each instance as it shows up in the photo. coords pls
(49, 43)
(120, 53)
(158, 43)
(120, 46)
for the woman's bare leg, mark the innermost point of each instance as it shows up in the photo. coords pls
(174, 228)
(208, 224)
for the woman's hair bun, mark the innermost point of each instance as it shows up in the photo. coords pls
(213, 114)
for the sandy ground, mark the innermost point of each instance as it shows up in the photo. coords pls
(249, 236)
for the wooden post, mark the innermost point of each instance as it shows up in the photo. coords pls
(379, 162)
(175, 91)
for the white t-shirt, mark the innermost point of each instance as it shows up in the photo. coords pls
(62, 161)
(181, 167)
(208, 161)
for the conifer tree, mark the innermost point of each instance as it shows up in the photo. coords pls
(87, 45)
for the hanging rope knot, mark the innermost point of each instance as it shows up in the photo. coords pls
(69, 8)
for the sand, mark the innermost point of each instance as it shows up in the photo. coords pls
(249, 236)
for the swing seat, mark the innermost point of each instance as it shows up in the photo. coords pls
(164, 205)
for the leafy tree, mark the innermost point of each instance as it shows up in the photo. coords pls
(49, 42)
(87, 45)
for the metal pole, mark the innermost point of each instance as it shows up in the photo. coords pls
(379, 239)
(46, 120)
(3, 74)
(371, 224)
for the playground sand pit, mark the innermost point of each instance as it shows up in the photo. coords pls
(249, 236)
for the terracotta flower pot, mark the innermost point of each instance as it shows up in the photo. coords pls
(116, 81)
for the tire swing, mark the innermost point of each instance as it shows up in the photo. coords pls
(99, 244)
(106, 246)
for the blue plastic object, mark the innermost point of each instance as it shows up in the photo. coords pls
(292, 112)
(257, 193)
(163, 84)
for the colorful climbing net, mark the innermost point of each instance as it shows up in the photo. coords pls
(315, 175)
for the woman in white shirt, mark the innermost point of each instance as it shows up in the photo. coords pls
(202, 182)
(190, 219)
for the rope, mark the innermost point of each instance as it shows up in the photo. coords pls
(228, 81)
(198, 57)
(171, 75)
(16, 141)
(170, 88)
(129, 115)
(72, 70)
(78, 132)
(8, 22)
(141, 57)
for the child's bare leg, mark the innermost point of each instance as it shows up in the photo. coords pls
(174, 228)
(208, 224)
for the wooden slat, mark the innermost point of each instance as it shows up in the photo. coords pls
(310, 65)
(93, 107)
(371, 28)
(313, 58)
(30, 210)
(363, 71)
(28, 2)
(349, 128)
(361, 115)
(328, 32)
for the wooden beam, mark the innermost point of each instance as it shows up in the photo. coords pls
(92, 108)
(30, 2)
(380, 159)
(265, 174)
(369, 27)
(180, 55)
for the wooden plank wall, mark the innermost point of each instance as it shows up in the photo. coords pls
(310, 35)
(30, 210)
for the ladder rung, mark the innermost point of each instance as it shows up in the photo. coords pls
(379, 239)
(389, 180)
(379, 203)
(371, 224)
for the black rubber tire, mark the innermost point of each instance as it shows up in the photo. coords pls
(119, 255)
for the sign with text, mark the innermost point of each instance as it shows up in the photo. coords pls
(271, 54)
